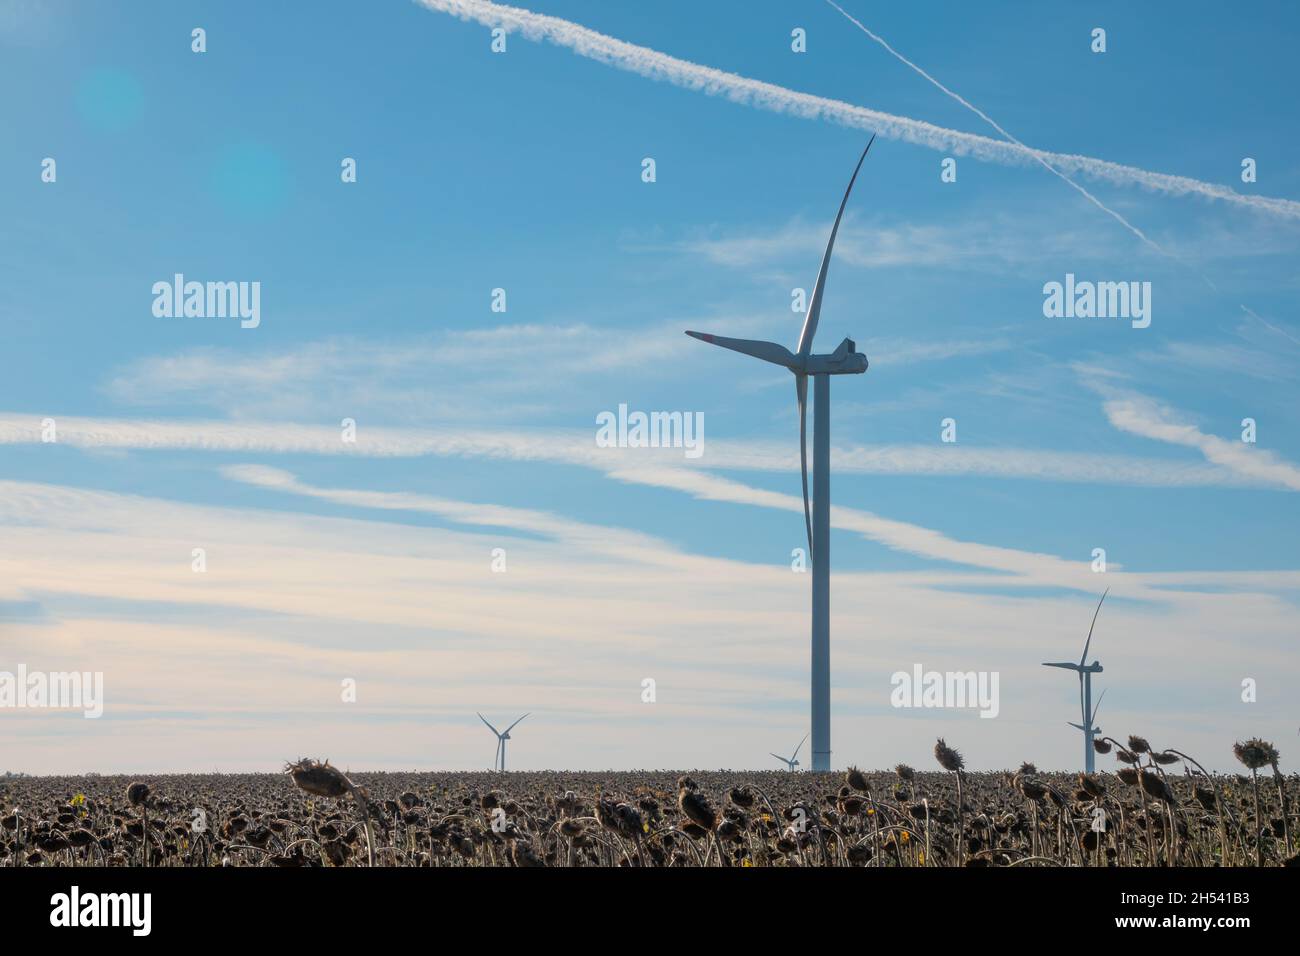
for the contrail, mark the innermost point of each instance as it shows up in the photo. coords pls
(1269, 325)
(778, 99)
(988, 119)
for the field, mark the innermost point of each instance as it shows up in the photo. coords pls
(1158, 810)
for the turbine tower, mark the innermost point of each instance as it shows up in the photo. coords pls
(791, 762)
(845, 360)
(499, 759)
(1087, 713)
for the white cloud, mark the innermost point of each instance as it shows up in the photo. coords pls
(239, 668)
(497, 373)
(1028, 568)
(977, 242)
(592, 539)
(1142, 416)
(571, 447)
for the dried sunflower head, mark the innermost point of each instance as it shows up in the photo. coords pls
(857, 780)
(697, 809)
(319, 778)
(1256, 753)
(948, 758)
(1091, 785)
(741, 796)
(1156, 786)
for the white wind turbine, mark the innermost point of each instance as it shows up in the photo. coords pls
(845, 360)
(499, 760)
(1087, 713)
(792, 761)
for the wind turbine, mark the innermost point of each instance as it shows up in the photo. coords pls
(499, 760)
(791, 762)
(1087, 713)
(845, 360)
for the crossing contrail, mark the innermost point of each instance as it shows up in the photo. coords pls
(778, 99)
(988, 119)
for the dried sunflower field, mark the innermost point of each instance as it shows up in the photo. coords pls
(1156, 808)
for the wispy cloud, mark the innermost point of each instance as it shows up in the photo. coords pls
(693, 76)
(240, 665)
(480, 377)
(652, 471)
(977, 242)
(1143, 416)
(1034, 569)
(1222, 357)
(593, 539)
(573, 447)
(392, 378)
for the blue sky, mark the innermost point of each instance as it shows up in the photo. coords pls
(522, 171)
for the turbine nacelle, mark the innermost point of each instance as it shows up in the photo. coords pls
(845, 360)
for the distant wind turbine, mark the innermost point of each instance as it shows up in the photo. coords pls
(793, 761)
(845, 360)
(499, 760)
(1087, 713)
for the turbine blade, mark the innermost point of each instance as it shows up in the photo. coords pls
(1074, 725)
(512, 726)
(779, 757)
(1068, 665)
(490, 727)
(767, 351)
(795, 755)
(801, 393)
(815, 304)
(1084, 659)
(1096, 707)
